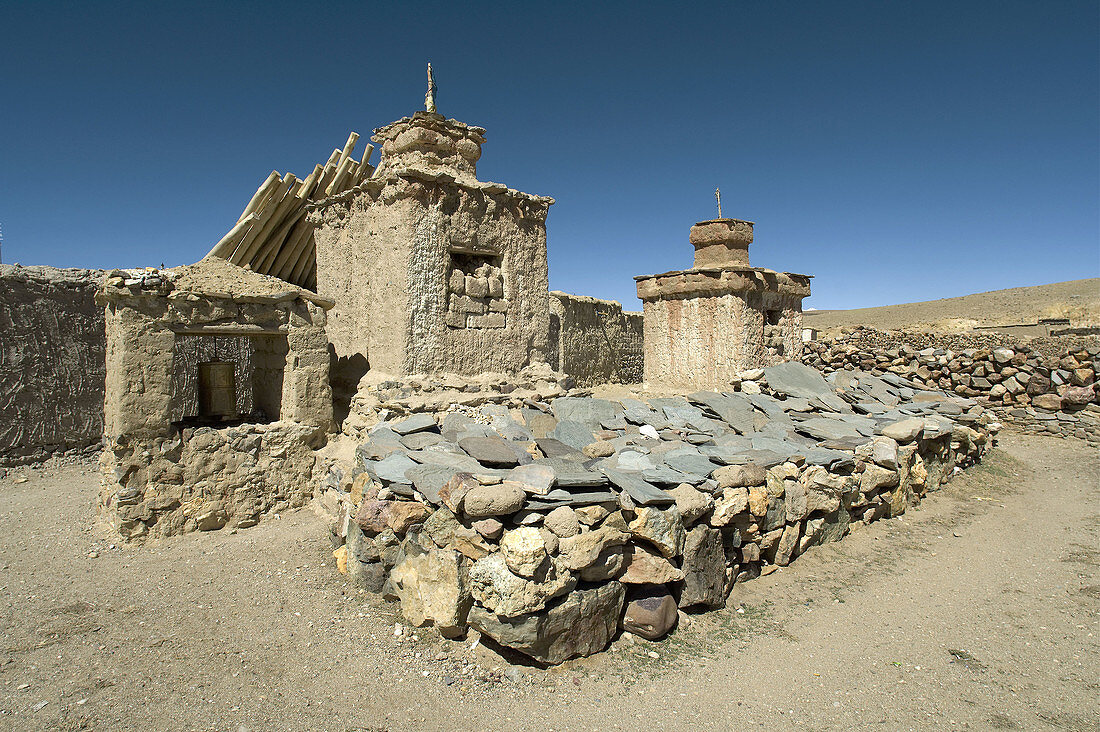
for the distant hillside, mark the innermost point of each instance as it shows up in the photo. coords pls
(1078, 300)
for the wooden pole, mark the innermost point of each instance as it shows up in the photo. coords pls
(261, 193)
(255, 237)
(292, 249)
(228, 242)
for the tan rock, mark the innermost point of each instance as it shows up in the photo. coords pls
(492, 500)
(734, 501)
(563, 522)
(693, 504)
(341, 557)
(663, 529)
(736, 476)
(582, 550)
(645, 567)
(599, 449)
(524, 550)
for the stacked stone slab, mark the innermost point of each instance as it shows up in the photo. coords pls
(1045, 386)
(432, 270)
(705, 325)
(554, 527)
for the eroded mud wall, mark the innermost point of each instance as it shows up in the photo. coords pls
(51, 361)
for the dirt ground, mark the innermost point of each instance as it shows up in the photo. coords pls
(1078, 300)
(979, 610)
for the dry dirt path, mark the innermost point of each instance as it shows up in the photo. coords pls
(977, 611)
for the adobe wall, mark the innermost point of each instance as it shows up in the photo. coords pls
(51, 361)
(595, 341)
(162, 478)
(386, 255)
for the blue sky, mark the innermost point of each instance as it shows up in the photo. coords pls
(896, 151)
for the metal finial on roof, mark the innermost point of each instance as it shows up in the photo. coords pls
(718, 197)
(429, 97)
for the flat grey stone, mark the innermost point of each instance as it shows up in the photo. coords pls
(392, 468)
(664, 475)
(421, 440)
(695, 464)
(489, 451)
(766, 458)
(734, 409)
(827, 429)
(429, 478)
(575, 434)
(586, 410)
(415, 423)
(640, 492)
(573, 474)
(633, 461)
(553, 448)
(586, 498)
(436, 456)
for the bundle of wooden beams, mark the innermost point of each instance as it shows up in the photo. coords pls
(272, 235)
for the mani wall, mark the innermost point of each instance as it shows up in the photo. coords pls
(595, 341)
(51, 361)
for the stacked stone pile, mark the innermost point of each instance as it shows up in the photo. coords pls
(552, 527)
(1049, 387)
(537, 383)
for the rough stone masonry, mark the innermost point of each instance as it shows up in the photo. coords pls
(553, 527)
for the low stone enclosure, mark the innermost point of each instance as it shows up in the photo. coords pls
(1039, 385)
(552, 527)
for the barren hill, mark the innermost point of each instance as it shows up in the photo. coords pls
(1078, 300)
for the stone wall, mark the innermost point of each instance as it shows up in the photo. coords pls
(1041, 385)
(595, 341)
(551, 531)
(51, 361)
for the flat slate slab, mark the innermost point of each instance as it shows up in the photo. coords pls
(586, 410)
(429, 478)
(490, 451)
(553, 448)
(575, 434)
(415, 423)
(573, 474)
(392, 468)
(639, 491)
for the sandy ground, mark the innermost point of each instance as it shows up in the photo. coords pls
(1078, 300)
(979, 610)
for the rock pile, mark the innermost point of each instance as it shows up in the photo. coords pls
(1039, 389)
(552, 527)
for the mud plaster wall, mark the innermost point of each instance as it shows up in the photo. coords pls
(51, 361)
(385, 256)
(159, 481)
(704, 342)
(595, 341)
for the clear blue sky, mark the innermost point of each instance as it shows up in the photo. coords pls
(899, 151)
